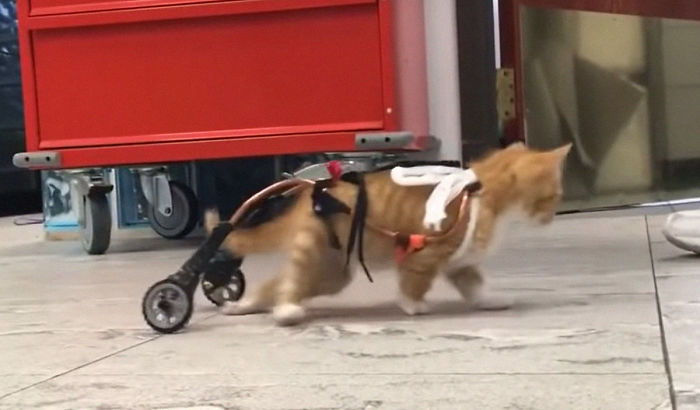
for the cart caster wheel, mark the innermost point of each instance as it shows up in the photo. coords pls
(219, 288)
(166, 306)
(183, 216)
(96, 229)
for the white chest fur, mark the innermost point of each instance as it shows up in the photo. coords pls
(468, 253)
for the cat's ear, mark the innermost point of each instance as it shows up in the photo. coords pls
(517, 146)
(559, 155)
(562, 152)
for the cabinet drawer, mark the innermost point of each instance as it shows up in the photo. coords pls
(62, 7)
(219, 76)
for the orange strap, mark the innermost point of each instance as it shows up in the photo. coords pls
(408, 245)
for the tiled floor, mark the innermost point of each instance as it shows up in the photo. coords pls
(584, 332)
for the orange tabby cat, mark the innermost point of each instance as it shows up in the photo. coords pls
(515, 181)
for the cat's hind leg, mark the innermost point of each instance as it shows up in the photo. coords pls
(414, 283)
(259, 300)
(282, 294)
(312, 269)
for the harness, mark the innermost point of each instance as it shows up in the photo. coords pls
(325, 205)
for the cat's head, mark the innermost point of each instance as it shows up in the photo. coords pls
(523, 180)
(538, 179)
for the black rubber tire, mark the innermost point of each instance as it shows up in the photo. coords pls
(174, 327)
(237, 278)
(96, 229)
(184, 216)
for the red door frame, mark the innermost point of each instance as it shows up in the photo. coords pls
(510, 34)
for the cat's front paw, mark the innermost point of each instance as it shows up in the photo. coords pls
(412, 307)
(288, 314)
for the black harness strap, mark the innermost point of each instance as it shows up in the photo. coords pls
(357, 227)
(324, 206)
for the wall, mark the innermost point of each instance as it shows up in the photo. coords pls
(443, 76)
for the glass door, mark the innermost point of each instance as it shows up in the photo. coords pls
(618, 79)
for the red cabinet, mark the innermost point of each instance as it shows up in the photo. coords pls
(137, 81)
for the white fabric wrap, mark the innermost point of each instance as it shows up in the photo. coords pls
(449, 183)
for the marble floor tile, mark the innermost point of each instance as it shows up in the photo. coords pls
(61, 309)
(678, 279)
(583, 330)
(686, 390)
(11, 383)
(348, 391)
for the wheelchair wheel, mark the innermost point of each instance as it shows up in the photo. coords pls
(166, 306)
(219, 288)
